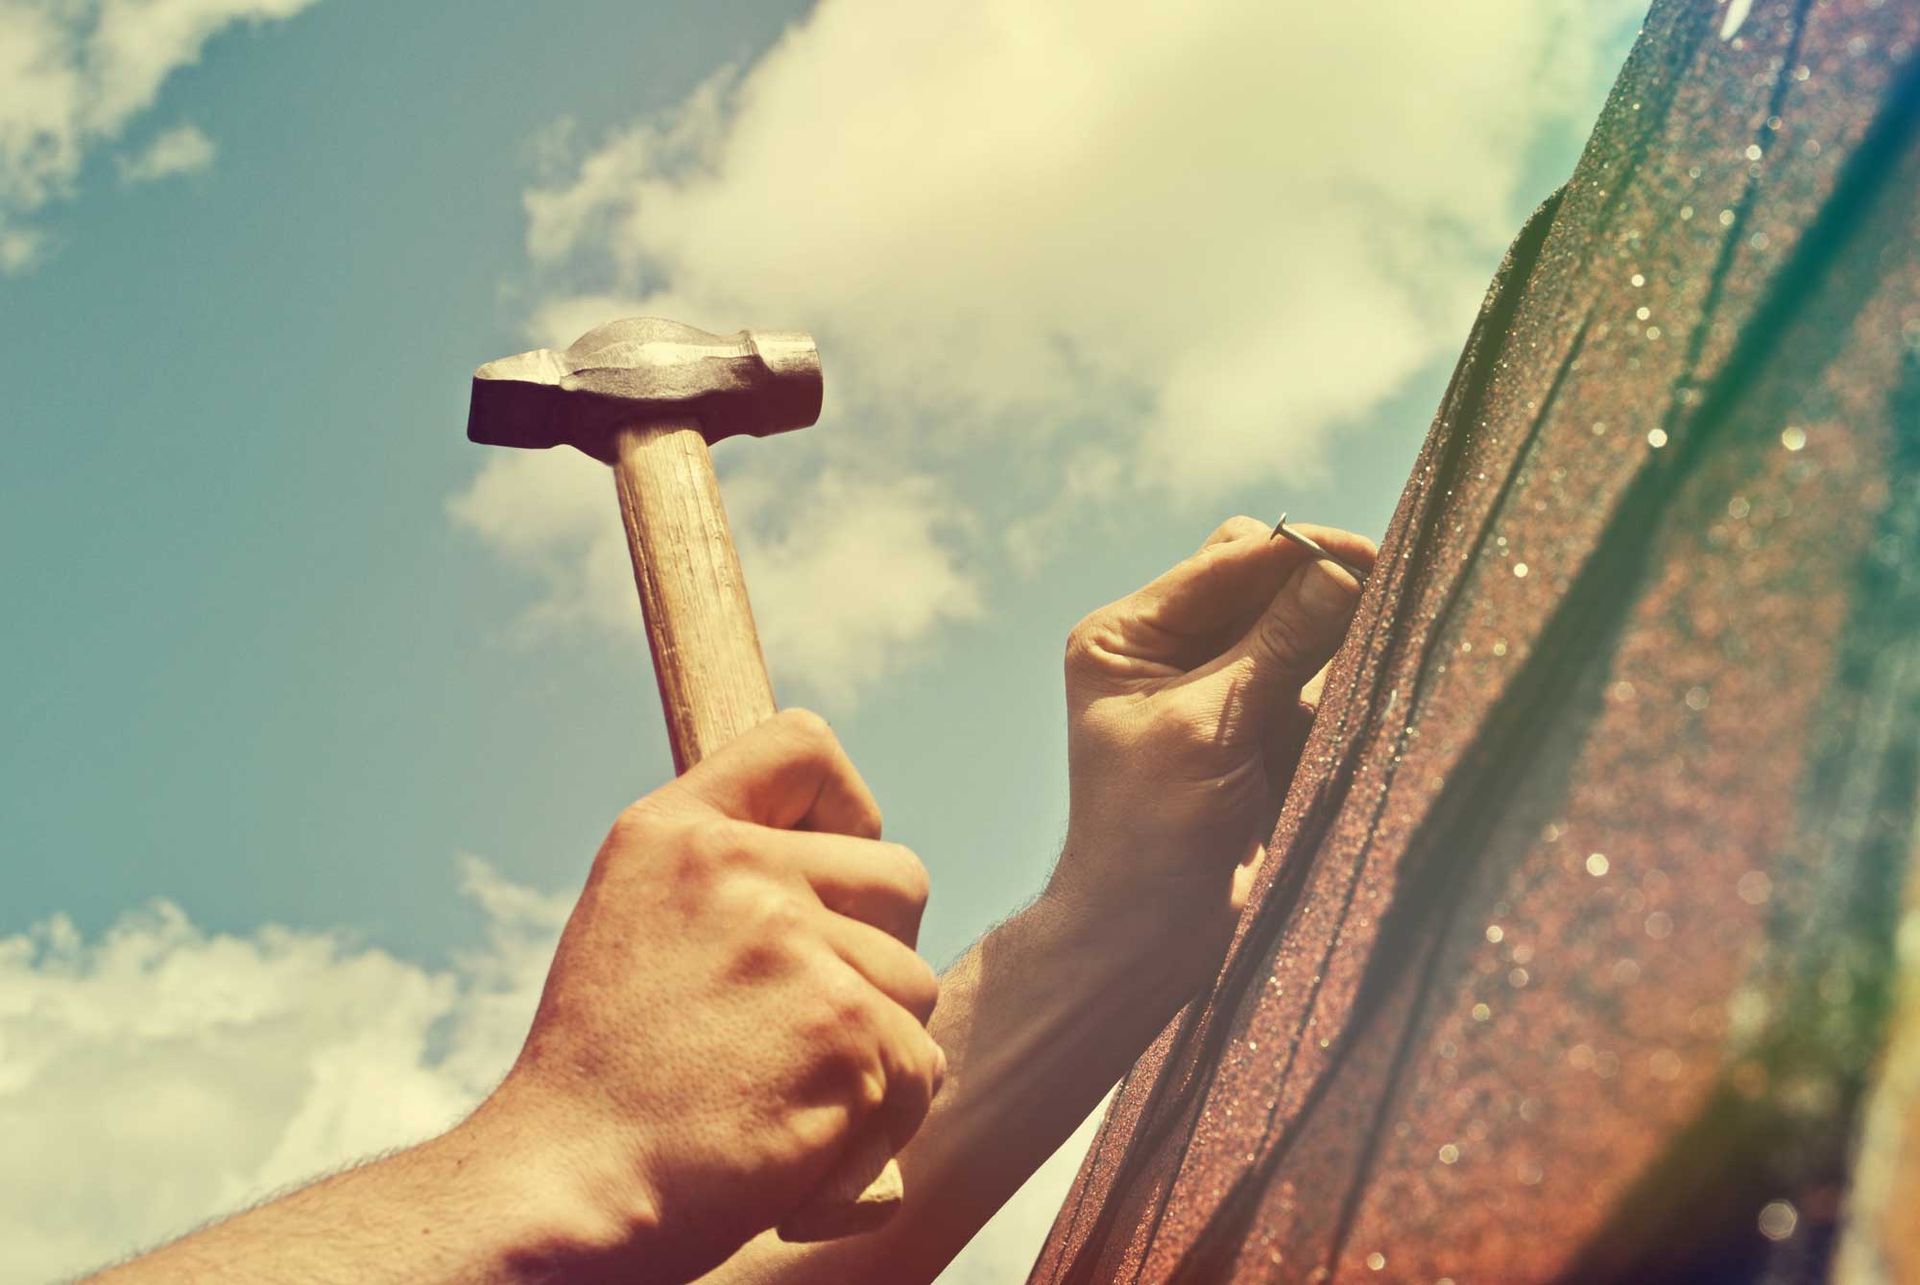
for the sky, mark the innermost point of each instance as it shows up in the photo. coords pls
(312, 713)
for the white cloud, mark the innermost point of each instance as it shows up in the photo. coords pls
(849, 574)
(1074, 255)
(74, 74)
(160, 1074)
(1260, 217)
(557, 322)
(180, 150)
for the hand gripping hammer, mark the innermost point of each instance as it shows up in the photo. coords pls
(648, 397)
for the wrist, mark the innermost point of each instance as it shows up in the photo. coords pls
(553, 1210)
(1157, 941)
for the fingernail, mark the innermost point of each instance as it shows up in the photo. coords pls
(1325, 590)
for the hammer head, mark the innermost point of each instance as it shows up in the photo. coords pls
(644, 370)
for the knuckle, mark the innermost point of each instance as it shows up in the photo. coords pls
(915, 880)
(869, 1088)
(845, 1002)
(840, 1028)
(923, 988)
(928, 1065)
(712, 845)
(766, 928)
(939, 1065)
(810, 1133)
(1239, 527)
(776, 915)
(637, 823)
(850, 1011)
(809, 731)
(755, 907)
(1080, 637)
(916, 1069)
(707, 838)
(1085, 641)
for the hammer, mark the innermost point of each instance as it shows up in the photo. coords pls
(648, 397)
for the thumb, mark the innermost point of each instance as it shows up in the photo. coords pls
(1297, 633)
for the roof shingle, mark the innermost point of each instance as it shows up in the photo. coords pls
(1572, 957)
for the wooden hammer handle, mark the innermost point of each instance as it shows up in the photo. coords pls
(714, 686)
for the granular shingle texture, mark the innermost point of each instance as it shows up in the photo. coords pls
(1573, 957)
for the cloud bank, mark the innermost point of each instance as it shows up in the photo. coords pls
(161, 1075)
(1067, 254)
(850, 572)
(74, 75)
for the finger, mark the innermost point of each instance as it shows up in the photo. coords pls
(1240, 528)
(1355, 549)
(790, 772)
(1197, 610)
(1245, 875)
(881, 884)
(888, 1068)
(915, 1067)
(890, 967)
(1297, 633)
(1191, 612)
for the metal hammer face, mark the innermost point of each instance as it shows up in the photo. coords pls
(647, 370)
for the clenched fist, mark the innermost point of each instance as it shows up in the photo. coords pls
(735, 995)
(1185, 722)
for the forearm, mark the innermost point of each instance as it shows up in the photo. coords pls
(1038, 1021)
(457, 1208)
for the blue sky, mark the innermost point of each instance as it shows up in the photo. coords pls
(316, 712)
